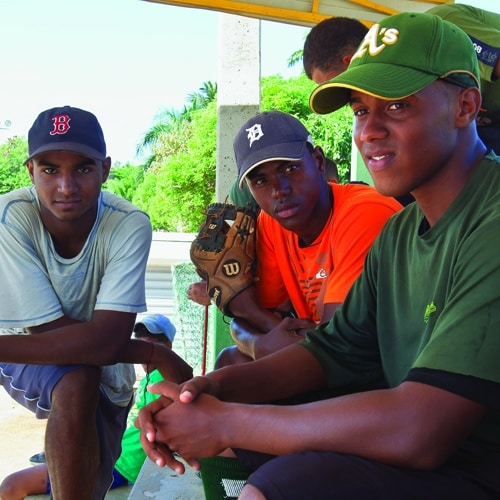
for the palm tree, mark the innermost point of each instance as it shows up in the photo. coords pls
(166, 123)
(295, 58)
(167, 135)
(205, 95)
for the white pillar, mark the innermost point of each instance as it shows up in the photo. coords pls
(238, 92)
(238, 98)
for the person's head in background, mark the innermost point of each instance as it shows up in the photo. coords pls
(331, 172)
(155, 328)
(329, 47)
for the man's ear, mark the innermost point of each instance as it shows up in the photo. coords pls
(469, 106)
(29, 166)
(319, 158)
(346, 60)
(106, 167)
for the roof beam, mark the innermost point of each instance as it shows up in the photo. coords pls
(308, 12)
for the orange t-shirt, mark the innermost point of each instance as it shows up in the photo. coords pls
(324, 271)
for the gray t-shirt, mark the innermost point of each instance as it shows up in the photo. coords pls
(39, 286)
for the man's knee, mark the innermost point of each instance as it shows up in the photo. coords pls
(8, 489)
(12, 487)
(250, 492)
(77, 389)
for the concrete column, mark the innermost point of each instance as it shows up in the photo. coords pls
(238, 92)
(238, 98)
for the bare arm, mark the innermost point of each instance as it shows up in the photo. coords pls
(414, 425)
(104, 340)
(257, 345)
(245, 306)
(293, 370)
(67, 341)
(289, 331)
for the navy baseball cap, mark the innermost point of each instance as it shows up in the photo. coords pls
(67, 129)
(158, 324)
(269, 136)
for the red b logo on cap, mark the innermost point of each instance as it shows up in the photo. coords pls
(61, 124)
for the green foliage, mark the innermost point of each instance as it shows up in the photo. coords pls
(124, 179)
(333, 132)
(206, 94)
(295, 58)
(290, 95)
(13, 172)
(178, 187)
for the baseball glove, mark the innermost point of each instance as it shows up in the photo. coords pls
(224, 252)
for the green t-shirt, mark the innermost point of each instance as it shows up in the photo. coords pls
(242, 197)
(427, 305)
(132, 457)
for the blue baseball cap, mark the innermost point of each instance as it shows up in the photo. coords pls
(67, 129)
(269, 136)
(158, 324)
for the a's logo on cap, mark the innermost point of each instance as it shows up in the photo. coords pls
(61, 124)
(388, 36)
(254, 133)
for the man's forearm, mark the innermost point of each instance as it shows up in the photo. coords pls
(245, 306)
(258, 319)
(244, 336)
(293, 370)
(390, 425)
(67, 341)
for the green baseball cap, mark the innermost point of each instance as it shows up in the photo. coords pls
(400, 56)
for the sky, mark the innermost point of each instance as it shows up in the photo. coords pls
(124, 60)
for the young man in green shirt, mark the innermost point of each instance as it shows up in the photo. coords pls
(425, 312)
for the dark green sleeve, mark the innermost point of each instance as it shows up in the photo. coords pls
(242, 197)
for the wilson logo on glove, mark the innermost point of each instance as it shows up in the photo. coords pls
(231, 268)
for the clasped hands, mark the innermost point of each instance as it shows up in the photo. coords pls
(186, 420)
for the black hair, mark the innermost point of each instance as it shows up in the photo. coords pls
(331, 170)
(329, 41)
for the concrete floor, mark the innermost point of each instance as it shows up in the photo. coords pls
(164, 483)
(156, 483)
(21, 436)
